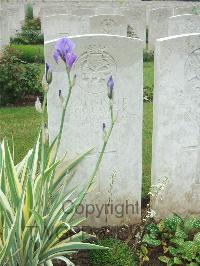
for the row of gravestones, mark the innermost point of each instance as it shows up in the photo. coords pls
(55, 26)
(138, 15)
(166, 21)
(115, 197)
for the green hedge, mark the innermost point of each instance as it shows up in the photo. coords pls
(30, 53)
(17, 78)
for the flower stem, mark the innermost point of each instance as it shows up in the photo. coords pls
(103, 147)
(63, 114)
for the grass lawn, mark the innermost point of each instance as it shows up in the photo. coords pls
(21, 124)
(148, 74)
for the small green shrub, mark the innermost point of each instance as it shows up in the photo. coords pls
(119, 254)
(177, 241)
(32, 24)
(17, 78)
(30, 53)
(28, 37)
(30, 33)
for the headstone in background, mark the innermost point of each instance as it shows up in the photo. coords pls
(4, 31)
(158, 25)
(14, 24)
(108, 24)
(176, 125)
(83, 11)
(62, 25)
(183, 24)
(137, 21)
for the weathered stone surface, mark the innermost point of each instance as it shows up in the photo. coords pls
(118, 180)
(62, 25)
(83, 12)
(176, 125)
(109, 24)
(4, 32)
(158, 25)
(13, 20)
(183, 24)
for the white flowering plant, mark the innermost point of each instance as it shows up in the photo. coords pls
(33, 224)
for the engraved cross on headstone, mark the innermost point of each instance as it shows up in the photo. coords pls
(108, 25)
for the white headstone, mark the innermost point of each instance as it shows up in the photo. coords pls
(183, 24)
(13, 20)
(108, 24)
(57, 26)
(158, 25)
(50, 10)
(118, 180)
(137, 21)
(104, 10)
(4, 31)
(83, 12)
(176, 125)
(186, 10)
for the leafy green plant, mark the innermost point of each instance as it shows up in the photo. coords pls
(35, 229)
(30, 33)
(148, 56)
(148, 94)
(119, 254)
(196, 10)
(32, 24)
(17, 78)
(178, 240)
(28, 37)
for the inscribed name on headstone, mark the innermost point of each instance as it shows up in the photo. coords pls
(183, 24)
(117, 184)
(158, 25)
(176, 125)
(108, 24)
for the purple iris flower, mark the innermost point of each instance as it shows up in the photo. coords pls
(64, 49)
(110, 85)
